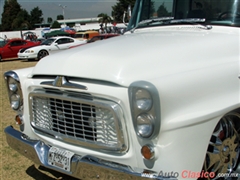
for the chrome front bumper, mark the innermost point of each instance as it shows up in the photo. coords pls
(86, 167)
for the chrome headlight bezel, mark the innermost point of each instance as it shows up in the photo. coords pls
(144, 101)
(14, 90)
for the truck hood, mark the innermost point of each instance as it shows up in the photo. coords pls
(146, 54)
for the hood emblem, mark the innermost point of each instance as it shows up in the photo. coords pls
(62, 81)
(59, 81)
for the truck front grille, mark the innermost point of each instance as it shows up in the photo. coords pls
(78, 119)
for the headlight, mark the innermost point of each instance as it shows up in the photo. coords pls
(145, 125)
(143, 100)
(13, 87)
(15, 101)
(145, 107)
(14, 90)
(29, 51)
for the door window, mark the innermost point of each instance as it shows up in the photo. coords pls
(16, 43)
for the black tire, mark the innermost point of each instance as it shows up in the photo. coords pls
(1, 58)
(42, 54)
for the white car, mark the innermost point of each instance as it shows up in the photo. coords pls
(161, 101)
(49, 46)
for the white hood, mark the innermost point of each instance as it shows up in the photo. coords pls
(143, 55)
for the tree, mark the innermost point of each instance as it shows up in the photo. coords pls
(119, 8)
(60, 17)
(22, 21)
(49, 20)
(56, 25)
(104, 19)
(162, 11)
(36, 16)
(10, 12)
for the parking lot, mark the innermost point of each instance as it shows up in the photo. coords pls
(13, 165)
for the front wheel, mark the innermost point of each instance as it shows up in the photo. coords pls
(222, 155)
(42, 54)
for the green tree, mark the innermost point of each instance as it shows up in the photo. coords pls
(104, 19)
(119, 8)
(22, 21)
(56, 25)
(36, 16)
(49, 20)
(10, 12)
(60, 17)
(146, 11)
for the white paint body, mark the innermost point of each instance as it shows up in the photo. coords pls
(194, 70)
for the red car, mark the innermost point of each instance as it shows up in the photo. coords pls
(10, 47)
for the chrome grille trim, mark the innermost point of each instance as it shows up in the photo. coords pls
(79, 119)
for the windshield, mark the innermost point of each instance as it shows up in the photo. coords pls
(215, 12)
(48, 41)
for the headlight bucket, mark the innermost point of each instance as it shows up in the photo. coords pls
(14, 90)
(145, 109)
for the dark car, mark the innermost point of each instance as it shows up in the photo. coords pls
(10, 47)
(102, 36)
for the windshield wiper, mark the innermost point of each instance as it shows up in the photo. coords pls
(149, 21)
(194, 21)
(171, 20)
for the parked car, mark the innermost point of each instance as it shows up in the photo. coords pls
(97, 38)
(101, 37)
(47, 47)
(10, 47)
(161, 101)
(85, 35)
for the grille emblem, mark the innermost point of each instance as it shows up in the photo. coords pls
(59, 81)
(62, 81)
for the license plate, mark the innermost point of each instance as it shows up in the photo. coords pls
(60, 158)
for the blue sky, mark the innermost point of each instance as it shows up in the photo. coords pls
(74, 9)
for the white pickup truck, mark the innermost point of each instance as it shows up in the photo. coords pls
(161, 101)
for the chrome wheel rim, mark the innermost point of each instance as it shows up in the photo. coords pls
(223, 150)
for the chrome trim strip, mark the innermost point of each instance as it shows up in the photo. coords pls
(11, 74)
(87, 167)
(62, 81)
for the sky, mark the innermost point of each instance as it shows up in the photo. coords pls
(74, 8)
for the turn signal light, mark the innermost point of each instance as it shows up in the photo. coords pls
(148, 152)
(19, 120)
